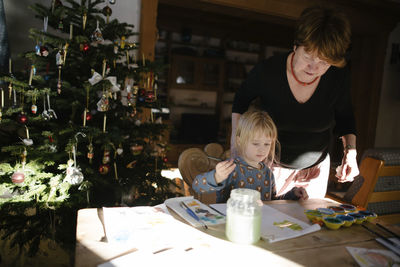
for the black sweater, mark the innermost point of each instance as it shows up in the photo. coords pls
(304, 129)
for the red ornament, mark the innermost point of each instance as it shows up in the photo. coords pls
(150, 97)
(165, 159)
(104, 169)
(88, 116)
(18, 177)
(51, 139)
(86, 47)
(22, 118)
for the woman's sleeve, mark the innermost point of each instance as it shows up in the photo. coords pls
(344, 116)
(248, 91)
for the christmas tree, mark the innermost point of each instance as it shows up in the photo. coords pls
(85, 124)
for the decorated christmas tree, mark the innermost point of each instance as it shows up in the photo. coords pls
(85, 124)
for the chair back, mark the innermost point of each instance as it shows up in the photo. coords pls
(194, 161)
(378, 185)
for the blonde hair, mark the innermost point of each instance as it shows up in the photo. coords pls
(250, 124)
(324, 31)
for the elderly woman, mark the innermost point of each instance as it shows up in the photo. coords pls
(307, 94)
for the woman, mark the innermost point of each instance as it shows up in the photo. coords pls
(307, 94)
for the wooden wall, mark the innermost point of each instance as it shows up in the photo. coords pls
(272, 22)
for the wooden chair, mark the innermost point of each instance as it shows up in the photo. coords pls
(377, 188)
(194, 161)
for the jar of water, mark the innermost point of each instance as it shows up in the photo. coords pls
(243, 216)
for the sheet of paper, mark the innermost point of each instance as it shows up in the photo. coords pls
(374, 257)
(277, 226)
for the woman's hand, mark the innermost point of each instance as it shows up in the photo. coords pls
(301, 193)
(223, 169)
(349, 168)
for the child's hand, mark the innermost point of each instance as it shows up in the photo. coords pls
(223, 169)
(301, 193)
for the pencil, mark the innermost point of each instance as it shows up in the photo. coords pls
(387, 230)
(384, 238)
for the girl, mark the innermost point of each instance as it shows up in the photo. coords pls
(256, 136)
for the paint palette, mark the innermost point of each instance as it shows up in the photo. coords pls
(334, 217)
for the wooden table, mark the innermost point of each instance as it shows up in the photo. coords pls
(322, 248)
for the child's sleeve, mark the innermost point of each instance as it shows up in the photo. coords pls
(205, 183)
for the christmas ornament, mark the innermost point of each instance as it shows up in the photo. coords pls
(86, 115)
(165, 159)
(43, 51)
(27, 141)
(150, 97)
(104, 169)
(96, 77)
(136, 149)
(60, 24)
(102, 105)
(18, 177)
(131, 164)
(112, 2)
(59, 58)
(90, 153)
(34, 107)
(141, 95)
(107, 11)
(97, 36)
(22, 118)
(73, 175)
(50, 111)
(120, 150)
(45, 114)
(106, 156)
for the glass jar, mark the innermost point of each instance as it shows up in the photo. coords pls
(243, 216)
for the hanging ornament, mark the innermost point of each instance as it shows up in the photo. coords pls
(43, 51)
(112, 2)
(27, 141)
(73, 175)
(165, 159)
(18, 177)
(50, 111)
(141, 95)
(150, 97)
(123, 42)
(22, 118)
(107, 11)
(106, 156)
(102, 105)
(104, 169)
(23, 158)
(59, 58)
(131, 164)
(45, 114)
(97, 36)
(60, 25)
(120, 150)
(86, 116)
(90, 153)
(136, 149)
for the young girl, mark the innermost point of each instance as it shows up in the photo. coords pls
(256, 136)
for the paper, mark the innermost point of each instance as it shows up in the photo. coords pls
(205, 213)
(374, 257)
(277, 226)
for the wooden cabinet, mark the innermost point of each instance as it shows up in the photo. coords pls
(197, 73)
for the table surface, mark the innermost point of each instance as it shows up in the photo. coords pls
(325, 247)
